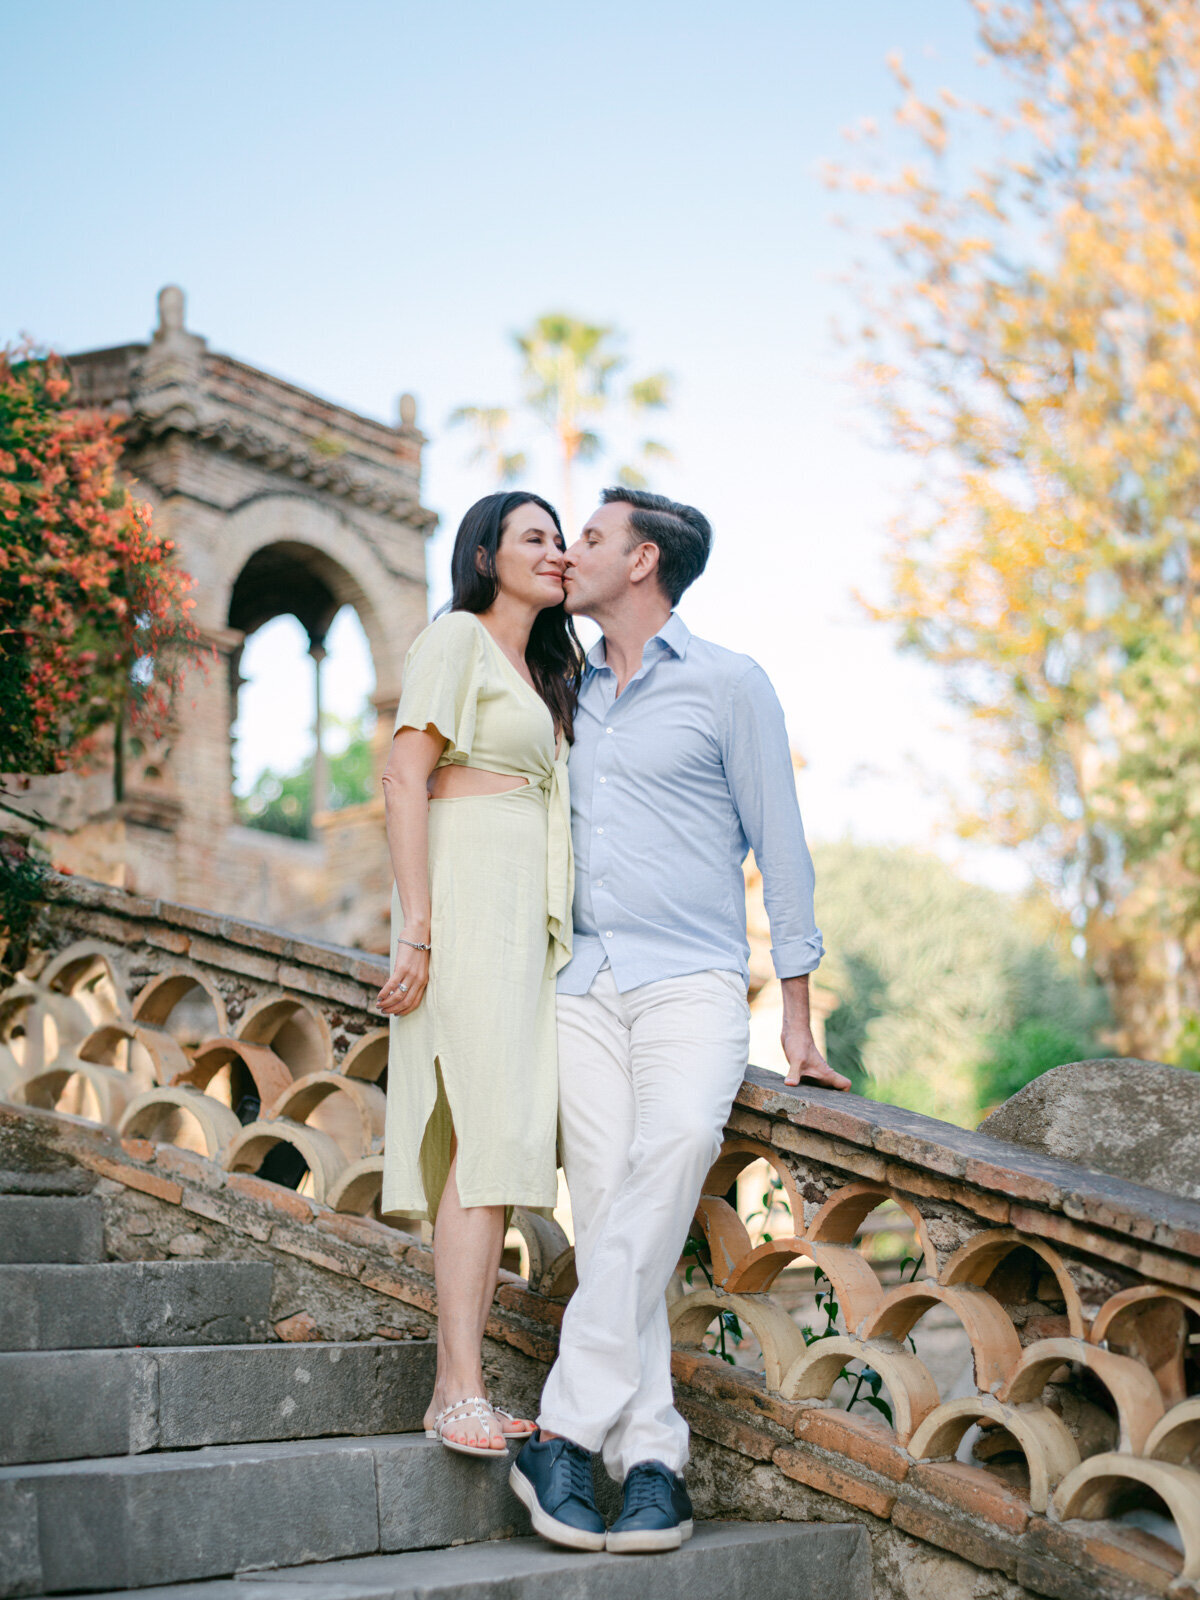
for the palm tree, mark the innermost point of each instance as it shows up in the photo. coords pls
(491, 424)
(569, 368)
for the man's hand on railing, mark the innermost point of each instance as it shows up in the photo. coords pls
(805, 1061)
(807, 1064)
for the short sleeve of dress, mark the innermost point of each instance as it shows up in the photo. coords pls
(443, 673)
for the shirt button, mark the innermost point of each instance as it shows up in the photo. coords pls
(603, 780)
(608, 935)
(599, 883)
(599, 830)
(608, 730)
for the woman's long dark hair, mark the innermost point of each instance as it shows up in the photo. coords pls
(554, 655)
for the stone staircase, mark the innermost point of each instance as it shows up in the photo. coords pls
(149, 1438)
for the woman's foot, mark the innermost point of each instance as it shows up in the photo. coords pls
(464, 1418)
(514, 1427)
(470, 1427)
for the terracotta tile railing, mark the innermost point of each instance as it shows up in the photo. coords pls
(200, 1045)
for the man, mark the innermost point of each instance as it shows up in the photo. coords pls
(680, 764)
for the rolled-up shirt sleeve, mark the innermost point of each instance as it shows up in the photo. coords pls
(758, 768)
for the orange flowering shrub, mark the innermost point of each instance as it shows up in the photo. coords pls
(95, 622)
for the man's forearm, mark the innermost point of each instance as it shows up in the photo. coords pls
(797, 1016)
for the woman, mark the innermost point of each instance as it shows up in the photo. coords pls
(479, 829)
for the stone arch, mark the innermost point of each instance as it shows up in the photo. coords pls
(237, 462)
(326, 545)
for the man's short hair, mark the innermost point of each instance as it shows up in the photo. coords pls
(682, 534)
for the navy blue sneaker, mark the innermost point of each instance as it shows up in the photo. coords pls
(657, 1514)
(552, 1478)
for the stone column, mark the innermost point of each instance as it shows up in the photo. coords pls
(320, 778)
(202, 763)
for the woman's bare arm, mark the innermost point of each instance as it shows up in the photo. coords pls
(413, 756)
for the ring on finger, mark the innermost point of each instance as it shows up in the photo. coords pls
(403, 988)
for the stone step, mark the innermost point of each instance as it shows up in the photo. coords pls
(129, 1522)
(50, 1228)
(119, 1303)
(69, 1405)
(770, 1561)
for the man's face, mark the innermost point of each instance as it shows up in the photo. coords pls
(600, 561)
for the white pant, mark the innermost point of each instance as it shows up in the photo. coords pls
(646, 1080)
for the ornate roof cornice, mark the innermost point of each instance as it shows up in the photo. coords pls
(176, 385)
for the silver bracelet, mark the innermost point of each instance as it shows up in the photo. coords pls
(411, 945)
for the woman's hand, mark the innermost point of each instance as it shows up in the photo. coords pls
(403, 991)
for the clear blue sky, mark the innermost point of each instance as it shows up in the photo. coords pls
(368, 197)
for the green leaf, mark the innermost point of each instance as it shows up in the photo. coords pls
(881, 1406)
(652, 393)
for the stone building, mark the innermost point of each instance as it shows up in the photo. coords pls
(278, 503)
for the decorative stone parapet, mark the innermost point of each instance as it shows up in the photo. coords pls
(145, 1034)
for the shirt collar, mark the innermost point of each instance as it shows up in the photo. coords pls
(673, 635)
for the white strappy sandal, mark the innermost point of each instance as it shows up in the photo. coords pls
(513, 1427)
(474, 1405)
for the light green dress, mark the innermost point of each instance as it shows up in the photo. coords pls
(478, 1057)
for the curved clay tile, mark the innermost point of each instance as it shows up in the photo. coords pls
(994, 1342)
(1094, 1489)
(160, 1115)
(1134, 1392)
(907, 1380)
(778, 1336)
(1049, 1448)
(979, 1258)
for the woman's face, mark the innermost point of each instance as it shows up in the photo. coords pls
(529, 560)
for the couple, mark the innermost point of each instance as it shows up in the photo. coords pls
(571, 959)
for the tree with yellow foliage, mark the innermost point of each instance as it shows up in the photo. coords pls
(1036, 350)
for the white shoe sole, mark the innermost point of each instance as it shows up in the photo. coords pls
(544, 1524)
(648, 1541)
(482, 1452)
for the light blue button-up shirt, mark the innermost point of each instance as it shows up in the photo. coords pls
(672, 782)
